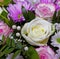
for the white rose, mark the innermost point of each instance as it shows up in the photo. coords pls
(37, 31)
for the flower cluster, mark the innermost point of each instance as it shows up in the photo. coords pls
(27, 30)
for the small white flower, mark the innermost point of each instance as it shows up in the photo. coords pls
(18, 27)
(25, 48)
(14, 27)
(20, 40)
(18, 34)
(56, 40)
(11, 37)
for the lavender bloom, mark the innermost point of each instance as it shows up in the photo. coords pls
(46, 1)
(58, 54)
(56, 40)
(15, 11)
(57, 5)
(57, 25)
(10, 56)
(32, 2)
(20, 1)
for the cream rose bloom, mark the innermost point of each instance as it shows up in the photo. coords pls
(37, 31)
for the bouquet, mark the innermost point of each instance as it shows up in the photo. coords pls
(29, 29)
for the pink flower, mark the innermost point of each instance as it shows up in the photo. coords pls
(45, 10)
(4, 29)
(46, 52)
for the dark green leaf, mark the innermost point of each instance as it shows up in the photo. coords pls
(4, 13)
(8, 50)
(1, 54)
(19, 45)
(3, 48)
(32, 54)
(3, 16)
(28, 15)
(24, 13)
(8, 41)
(3, 38)
(31, 15)
(13, 43)
(54, 19)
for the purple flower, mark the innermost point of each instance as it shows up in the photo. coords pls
(30, 1)
(58, 54)
(15, 10)
(58, 5)
(19, 1)
(47, 1)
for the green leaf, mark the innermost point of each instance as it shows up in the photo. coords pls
(4, 13)
(3, 16)
(28, 15)
(31, 15)
(32, 53)
(1, 54)
(16, 54)
(5, 2)
(8, 50)
(19, 45)
(54, 19)
(0, 43)
(58, 12)
(24, 13)
(3, 48)
(13, 43)
(3, 38)
(8, 41)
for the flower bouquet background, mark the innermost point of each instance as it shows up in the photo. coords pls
(29, 29)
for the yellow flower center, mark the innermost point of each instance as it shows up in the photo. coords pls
(19, 16)
(38, 30)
